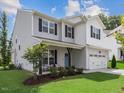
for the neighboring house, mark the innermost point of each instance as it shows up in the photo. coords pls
(73, 41)
(114, 44)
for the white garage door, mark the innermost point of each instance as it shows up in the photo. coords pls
(97, 61)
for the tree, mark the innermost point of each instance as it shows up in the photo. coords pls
(120, 39)
(110, 22)
(3, 28)
(35, 55)
(9, 52)
(113, 64)
(119, 36)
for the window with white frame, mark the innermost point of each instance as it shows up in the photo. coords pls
(95, 33)
(52, 28)
(69, 31)
(51, 57)
(45, 26)
(45, 58)
(48, 59)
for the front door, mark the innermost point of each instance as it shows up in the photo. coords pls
(66, 60)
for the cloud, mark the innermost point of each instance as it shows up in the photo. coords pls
(86, 7)
(53, 10)
(10, 6)
(90, 7)
(95, 10)
(72, 8)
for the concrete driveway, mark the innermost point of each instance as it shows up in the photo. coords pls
(111, 71)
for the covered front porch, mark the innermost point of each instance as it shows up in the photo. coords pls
(61, 54)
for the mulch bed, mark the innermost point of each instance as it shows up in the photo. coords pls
(42, 79)
(39, 79)
(122, 88)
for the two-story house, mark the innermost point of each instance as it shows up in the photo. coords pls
(73, 41)
(116, 48)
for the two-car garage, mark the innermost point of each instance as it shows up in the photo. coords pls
(97, 58)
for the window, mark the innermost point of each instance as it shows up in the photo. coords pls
(45, 58)
(49, 58)
(45, 26)
(52, 28)
(95, 33)
(69, 31)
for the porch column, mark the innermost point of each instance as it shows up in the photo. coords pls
(69, 54)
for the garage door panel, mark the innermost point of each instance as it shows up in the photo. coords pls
(97, 61)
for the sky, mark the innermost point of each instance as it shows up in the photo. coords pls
(61, 8)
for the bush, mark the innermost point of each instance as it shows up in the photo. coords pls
(73, 67)
(60, 68)
(79, 70)
(12, 66)
(63, 72)
(113, 63)
(71, 71)
(53, 71)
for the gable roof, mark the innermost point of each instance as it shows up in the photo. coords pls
(86, 18)
(98, 19)
(117, 29)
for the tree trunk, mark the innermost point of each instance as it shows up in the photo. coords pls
(40, 67)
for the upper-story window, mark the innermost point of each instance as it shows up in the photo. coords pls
(95, 33)
(52, 28)
(47, 26)
(69, 31)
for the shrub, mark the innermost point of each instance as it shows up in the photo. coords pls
(63, 72)
(79, 70)
(53, 71)
(12, 66)
(60, 68)
(71, 71)
(73, 67)
(113, 63)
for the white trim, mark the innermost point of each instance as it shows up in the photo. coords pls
(97, 47)
(61, 44)
(43, 19)
(58, 43)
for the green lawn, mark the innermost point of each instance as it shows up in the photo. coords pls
(120, 64)
(11, 82)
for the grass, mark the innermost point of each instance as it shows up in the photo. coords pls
(120, 64)
(88, 83)
(11, 82)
